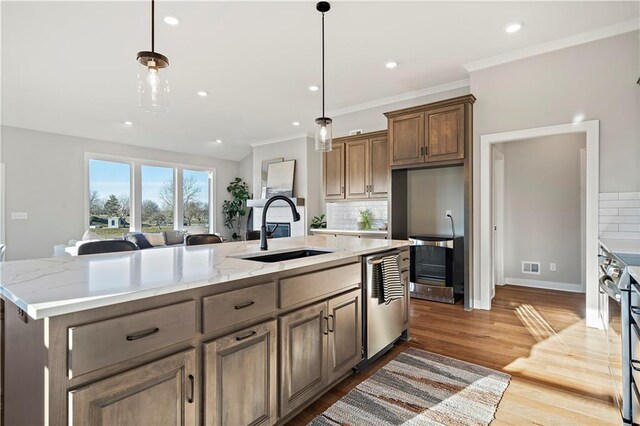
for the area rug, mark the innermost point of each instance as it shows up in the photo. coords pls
(421, 388)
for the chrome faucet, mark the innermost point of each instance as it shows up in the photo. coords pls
(263, 228)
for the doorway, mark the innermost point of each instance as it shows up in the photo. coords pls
(484, 287)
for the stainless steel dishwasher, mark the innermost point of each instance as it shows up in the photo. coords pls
(383, 325)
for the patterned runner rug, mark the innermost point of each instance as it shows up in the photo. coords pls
(421, 388)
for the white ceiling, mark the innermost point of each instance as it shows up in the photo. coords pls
(70, 68)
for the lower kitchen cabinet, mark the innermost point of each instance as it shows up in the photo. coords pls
(163, 392)
(404, 279)
(241, 377)
(303, 348)
(345, 334)
(319, 344)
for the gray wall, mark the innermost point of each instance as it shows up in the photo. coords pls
(432, 192)
(542, 207)
(597, 79)
(45, 175)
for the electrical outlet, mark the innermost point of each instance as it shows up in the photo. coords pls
(552, 267)
(19, 215)
(447, 213)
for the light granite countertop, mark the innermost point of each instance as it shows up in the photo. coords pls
(58, 286)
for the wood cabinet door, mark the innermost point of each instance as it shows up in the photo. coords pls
(241, 379)
(406, 139)
(357, 169)
(444, 133)
(345, 334)
(163, 392)
(334, 173)
(303, 354)
(379, 165)
(406, 313)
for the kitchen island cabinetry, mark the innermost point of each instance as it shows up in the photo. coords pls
(290, 329)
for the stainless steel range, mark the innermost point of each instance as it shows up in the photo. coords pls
(619, 310)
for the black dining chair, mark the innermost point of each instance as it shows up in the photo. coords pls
(106, 246)
(200, 239)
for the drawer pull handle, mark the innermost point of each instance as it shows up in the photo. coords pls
(326, 321)
(633, 364)
(333, 324)
(245, 305)
(246, 336)
(143, 334)
(191, 389)
(635, 310)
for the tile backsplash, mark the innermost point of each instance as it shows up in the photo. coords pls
(619, 215)
(344, 215)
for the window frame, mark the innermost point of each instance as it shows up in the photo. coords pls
(135, 181)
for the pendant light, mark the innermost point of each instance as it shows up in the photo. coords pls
(153, 81)
(323, 124)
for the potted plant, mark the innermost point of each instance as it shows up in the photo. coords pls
(235, 209)
(318, 222)
(365, 222)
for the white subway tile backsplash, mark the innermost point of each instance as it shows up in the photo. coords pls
(345, 215)
(619, 219)
(608, 196)
(629, 196)
(606, 204)
(619, 215)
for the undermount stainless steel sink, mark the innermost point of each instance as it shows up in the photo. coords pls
(286, 255)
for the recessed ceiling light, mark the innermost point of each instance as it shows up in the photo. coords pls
(218, 140)
(314, 88)
(391, 65)
(296, 123)
(128, 123)
(171, 20)
(515, 27)
(202, 93)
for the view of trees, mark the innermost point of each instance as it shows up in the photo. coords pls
(196, 212)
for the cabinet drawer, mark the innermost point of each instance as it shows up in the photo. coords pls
(99, 344)
(405, 260)
(305, 287)
(222, 310)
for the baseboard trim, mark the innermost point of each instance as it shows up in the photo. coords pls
(548, 285)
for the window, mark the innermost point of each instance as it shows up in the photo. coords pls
(109, 198)
(158, 198)
(196, 196)
(139, 195)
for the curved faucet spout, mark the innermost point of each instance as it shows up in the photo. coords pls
(263, 228)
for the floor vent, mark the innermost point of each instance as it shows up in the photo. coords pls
(530, 267)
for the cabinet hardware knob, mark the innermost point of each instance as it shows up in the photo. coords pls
(246, 336)
(142, 334)
(192, 386)
(326, 321)
(244, 305)
(342, 190)
(333, 324)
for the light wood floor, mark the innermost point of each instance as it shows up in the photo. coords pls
(558, 366)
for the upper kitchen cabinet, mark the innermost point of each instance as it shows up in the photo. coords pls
(334, 172)
(432, 133)
(364, 162)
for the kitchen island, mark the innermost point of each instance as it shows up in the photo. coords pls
(183, 335)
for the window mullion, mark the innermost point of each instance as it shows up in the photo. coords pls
(136, 197)
(178, 208)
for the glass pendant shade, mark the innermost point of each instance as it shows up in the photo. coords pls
(323, 134)
(153, 88)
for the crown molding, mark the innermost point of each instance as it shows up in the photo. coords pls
(562, 43)
(282, 139)
(401, 97)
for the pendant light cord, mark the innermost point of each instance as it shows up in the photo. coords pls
(323, 64)
(153, 24)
